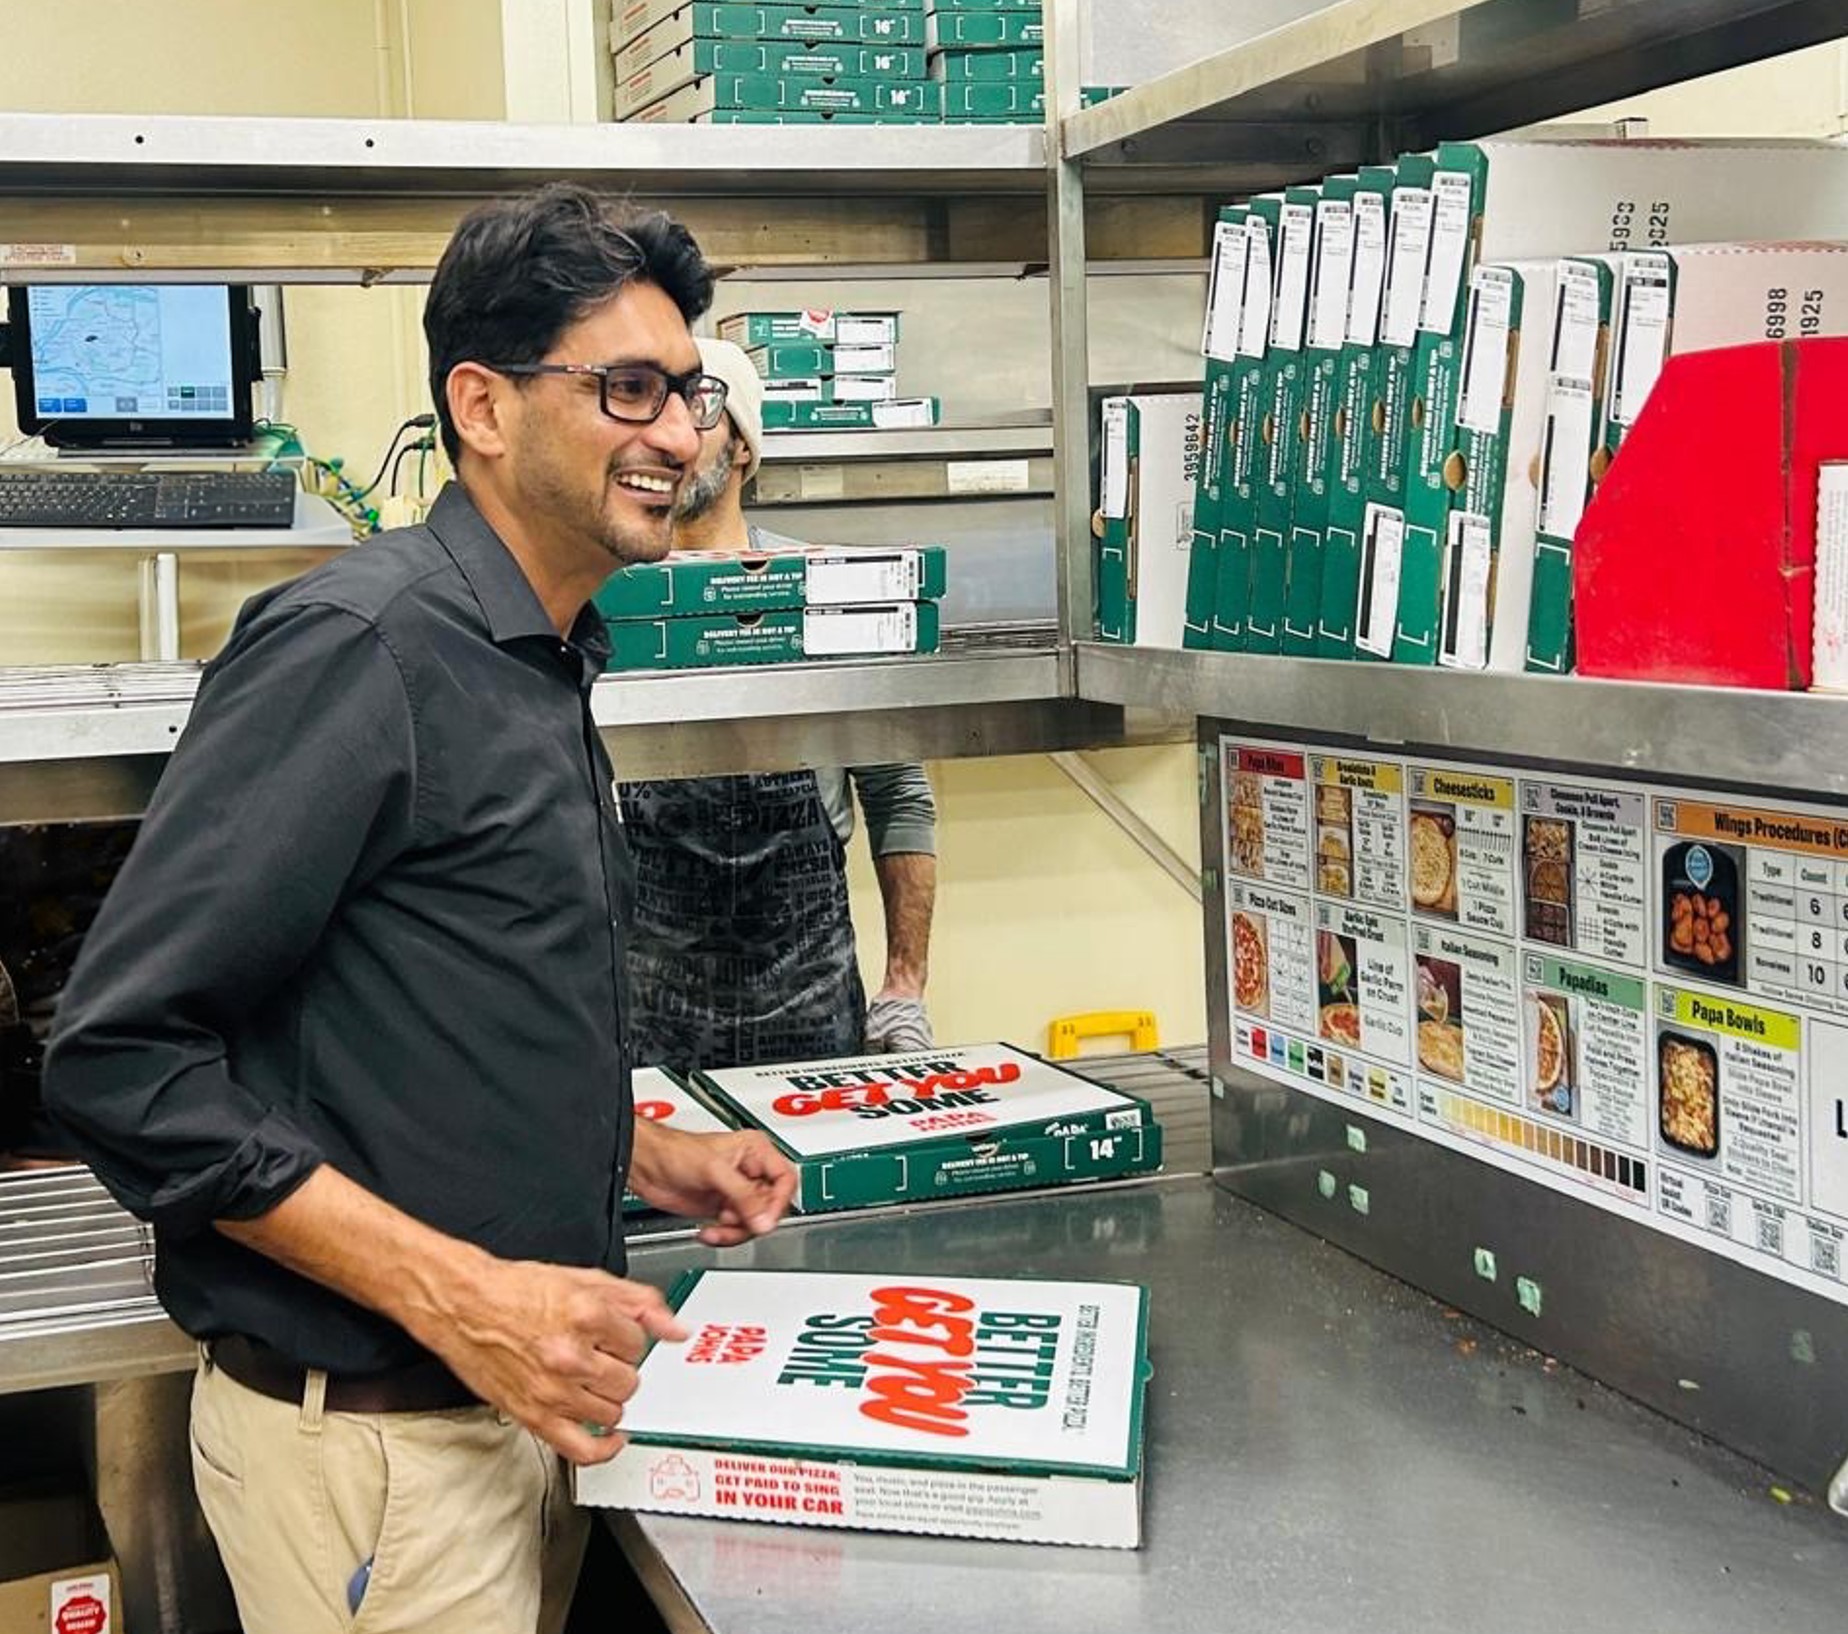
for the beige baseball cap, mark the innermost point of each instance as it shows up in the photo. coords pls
(744, 392)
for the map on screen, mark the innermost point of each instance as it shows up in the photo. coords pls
(140, 351)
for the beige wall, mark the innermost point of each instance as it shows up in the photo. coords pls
(1802, 94)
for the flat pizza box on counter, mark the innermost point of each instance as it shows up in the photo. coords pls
(742, 581)
(833, 27)
(662, 1098)
(937, 1123)
(1008, 1408)
(788, 636)
(901, 414)
(749, 329)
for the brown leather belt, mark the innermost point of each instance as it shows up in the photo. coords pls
(418, 1387)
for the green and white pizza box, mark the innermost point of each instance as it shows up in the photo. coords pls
(770, 116)
(1501, 418)
(780, 636)
(1012, 30)
(988, 65)
(1324, 341)
(1243, 436)
(743, 582)
(992, 99)
(1353, 439)
(899, 414)
(1286, 362)
(797, 1399)
(889, 98)
(1225, 297)
(839, 388)
(674, 41)
(1573, 449)
(1149, 469)
(748, 329)
(934, 1123)
(799, 359)
(662, 1098)
(890, 22)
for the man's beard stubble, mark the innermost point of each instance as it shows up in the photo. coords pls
(549, 489)
(706, 486)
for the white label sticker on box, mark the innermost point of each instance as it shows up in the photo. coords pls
(1334, 267)
(1465, 639)
(1575, 332)
(1225, 298)
(1443, 280)
(988, 476)
(1296, 235)
(82, 1605)
(38, 255)
(1831, 659)
(1405, 265)
(840, 632)
(1254, 322)
(1363, 320)
(1566, 479)
(1116, 458)
(1643, 346)
(1382, 553)
(1485, 353)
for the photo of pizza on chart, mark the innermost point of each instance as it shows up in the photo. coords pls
(1440, 1017)
(1250, 964)
(1338, 993)
(1434, 858)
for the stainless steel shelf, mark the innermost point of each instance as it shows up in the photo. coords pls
(126, 153)
(1795, 742)
(1438, 68)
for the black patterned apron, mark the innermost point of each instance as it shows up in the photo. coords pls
(743, 948)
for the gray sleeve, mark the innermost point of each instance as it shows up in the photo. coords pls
(901, 811)
(836, 799)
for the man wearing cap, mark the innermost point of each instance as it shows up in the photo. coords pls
(743, 946)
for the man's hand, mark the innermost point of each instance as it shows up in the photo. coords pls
(555, 1348)
(739, 1182)
(896, 1024)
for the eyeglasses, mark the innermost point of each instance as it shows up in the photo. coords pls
(636, 393)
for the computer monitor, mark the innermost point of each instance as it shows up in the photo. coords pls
(134, 365)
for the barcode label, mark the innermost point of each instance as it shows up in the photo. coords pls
(1771, 1234)
(1719, 1212)
(1825, 1255)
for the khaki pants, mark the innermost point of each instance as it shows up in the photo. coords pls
(466, 1517)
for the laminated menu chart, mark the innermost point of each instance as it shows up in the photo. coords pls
(1634, 995)
(995, 1407)
(937, 1123)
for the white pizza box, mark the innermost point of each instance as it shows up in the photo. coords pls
(662, 1098)
(982, 1407)
(935, 1123)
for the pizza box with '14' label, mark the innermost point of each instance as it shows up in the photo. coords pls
(936, 1123)
(748, 329)
(742, 582)
(892, 22)
(844, 30)
(784, 636)
(1008, 1408)
(661, 1098)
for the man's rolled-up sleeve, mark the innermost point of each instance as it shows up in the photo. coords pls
(294, 783)
(901, 811)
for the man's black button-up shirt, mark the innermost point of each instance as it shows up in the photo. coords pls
(374, 918)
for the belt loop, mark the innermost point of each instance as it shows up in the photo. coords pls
(314, 1400)
(205, 1355)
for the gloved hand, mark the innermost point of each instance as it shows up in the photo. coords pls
(895, 1026)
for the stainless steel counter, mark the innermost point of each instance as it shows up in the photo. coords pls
(1327, 1449)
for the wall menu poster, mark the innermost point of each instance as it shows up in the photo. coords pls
(1634, 995)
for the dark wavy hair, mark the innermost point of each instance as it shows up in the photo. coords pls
(520, 271)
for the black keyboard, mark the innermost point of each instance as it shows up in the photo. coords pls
(36, 498)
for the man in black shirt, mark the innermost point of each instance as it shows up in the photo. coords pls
(350, 1028)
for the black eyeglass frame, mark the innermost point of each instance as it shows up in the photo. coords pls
(694, 383)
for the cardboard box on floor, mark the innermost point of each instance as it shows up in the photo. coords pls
(57, 1574)
(1695, 562)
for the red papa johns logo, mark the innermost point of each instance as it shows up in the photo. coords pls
(901, 1096)
(654, 1111)
(725, 1344)
(82, 1613)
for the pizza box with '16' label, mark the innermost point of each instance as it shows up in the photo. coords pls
(1008, 1408)
(663, 1099)
(784, 636)
(742, 582)
(937, 1123)
(748, 329)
